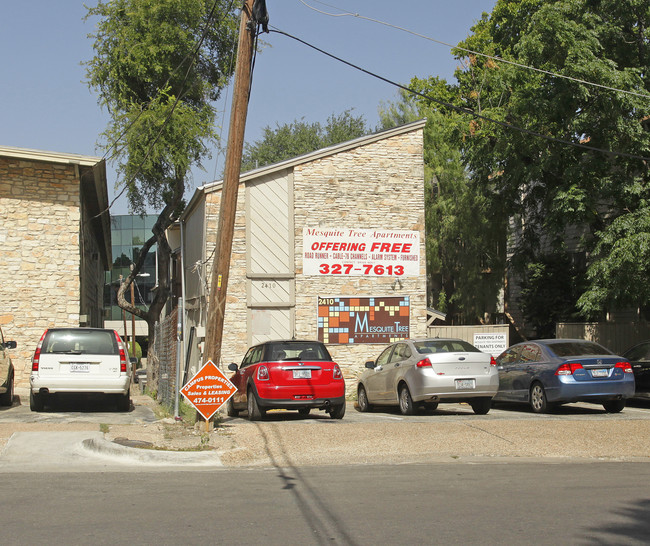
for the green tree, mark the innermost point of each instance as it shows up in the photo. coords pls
(300, 137)
(158, 67)
(551, 187)
(465, 241)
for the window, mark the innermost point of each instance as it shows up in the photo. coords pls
(384, 357)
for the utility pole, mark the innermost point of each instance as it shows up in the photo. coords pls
(228, 205)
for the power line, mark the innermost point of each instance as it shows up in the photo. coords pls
(462, 110)
(471, 52)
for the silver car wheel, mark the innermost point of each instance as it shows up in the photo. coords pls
(405, 401)
(363, 399)
(538, 398)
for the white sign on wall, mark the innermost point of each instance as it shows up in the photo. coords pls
(361, 252)
(493, 344)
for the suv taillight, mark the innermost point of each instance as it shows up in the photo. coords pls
(337, 372)
(37, 354)
(263, 373)
(493, 361)
(123, 361)
(627, 367)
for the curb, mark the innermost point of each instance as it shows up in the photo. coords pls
(103, 447)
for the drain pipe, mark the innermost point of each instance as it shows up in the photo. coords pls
(179, 346)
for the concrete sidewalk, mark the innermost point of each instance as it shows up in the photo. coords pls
(87, 451)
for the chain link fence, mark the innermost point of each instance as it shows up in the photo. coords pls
(162, 360)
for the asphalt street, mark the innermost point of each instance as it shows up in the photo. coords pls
(491, 503)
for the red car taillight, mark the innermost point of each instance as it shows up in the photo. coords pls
(493, 361)
(37, 354)
(123, 361)
(568, 368)
(337, 372)
(627, 367)
(263, 373)
(424, 363)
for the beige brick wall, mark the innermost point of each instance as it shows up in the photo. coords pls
(39, 253)
(376, 186)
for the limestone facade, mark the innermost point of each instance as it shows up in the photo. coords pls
(374, 183)
(52, 253)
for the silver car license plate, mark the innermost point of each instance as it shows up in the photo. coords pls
(463, 384)
(599, 373)
(302, 374)
(80, 367)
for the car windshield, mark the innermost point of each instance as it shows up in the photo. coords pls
(291, 350)
(429, 346)
(577, 348)
(98, 342)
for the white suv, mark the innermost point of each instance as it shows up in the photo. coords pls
(80, 360)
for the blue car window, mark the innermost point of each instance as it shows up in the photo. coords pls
(530, 352)
(577, 348)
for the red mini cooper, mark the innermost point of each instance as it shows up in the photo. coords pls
(291, 374)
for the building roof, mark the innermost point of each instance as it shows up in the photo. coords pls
(306, 158)
(49, 157)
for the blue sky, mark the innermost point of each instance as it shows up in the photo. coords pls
(45, 103)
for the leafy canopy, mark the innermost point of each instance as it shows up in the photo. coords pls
(564, 201)
(300, 137)
(159, 65)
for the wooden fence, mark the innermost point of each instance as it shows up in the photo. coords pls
(616, 336)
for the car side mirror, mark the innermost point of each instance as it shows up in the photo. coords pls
(370, 364)
(133, 360)
(233, 367)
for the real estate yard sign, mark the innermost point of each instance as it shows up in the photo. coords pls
(208, 390)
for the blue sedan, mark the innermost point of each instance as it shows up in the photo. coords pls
(548, 372)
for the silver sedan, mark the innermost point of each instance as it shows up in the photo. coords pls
(423, 372)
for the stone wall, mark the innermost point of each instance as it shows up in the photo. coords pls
(39, 253)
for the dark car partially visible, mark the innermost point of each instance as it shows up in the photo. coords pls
(639, 358)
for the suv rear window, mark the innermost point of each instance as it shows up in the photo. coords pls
(98, 342)
(299, 350)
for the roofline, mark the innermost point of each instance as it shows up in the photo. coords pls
(306, 158)
(51, 157)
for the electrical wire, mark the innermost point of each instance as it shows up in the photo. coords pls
(469, 51)
(462, 110)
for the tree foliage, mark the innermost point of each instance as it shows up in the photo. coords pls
(158, 67)
(539, 147)
(551, 186)
(300, 137)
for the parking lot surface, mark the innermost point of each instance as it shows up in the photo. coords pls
(451, 433)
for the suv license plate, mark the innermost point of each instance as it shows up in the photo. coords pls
(465, 384)
(80, 367)
(302, 374)
(599, 373)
